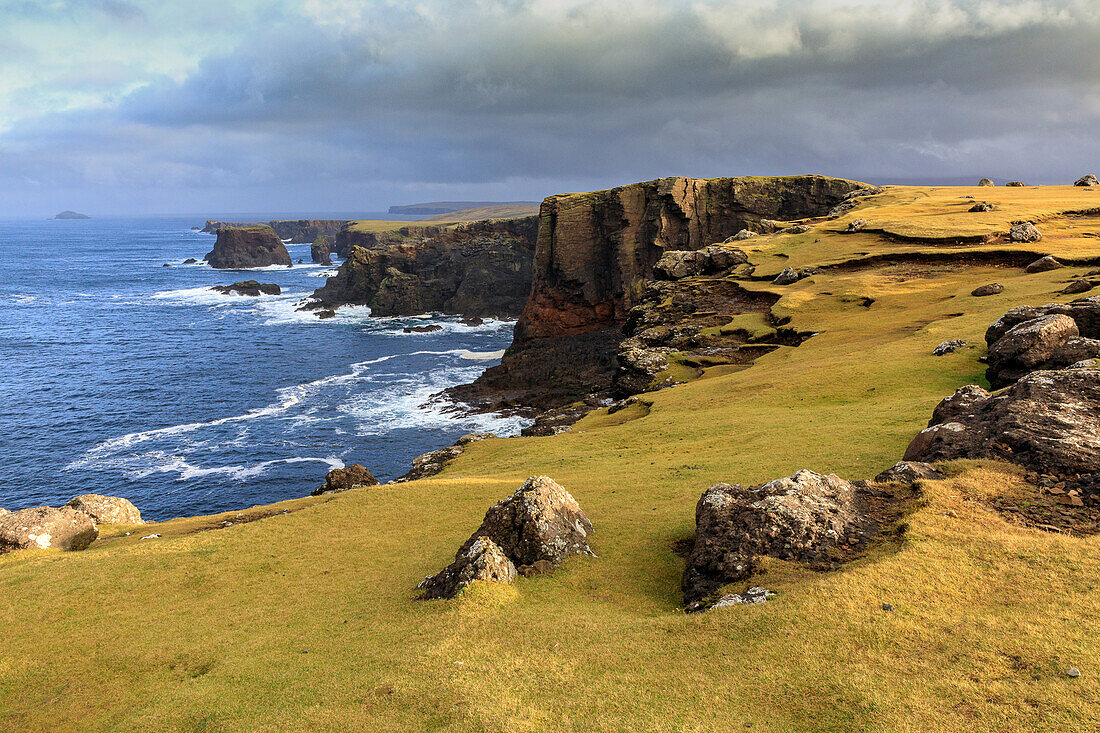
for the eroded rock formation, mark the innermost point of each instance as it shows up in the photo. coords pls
(256, 246)
(320, 252)
(45, 527)
(343, 479)
(297, 231)
(107, 509)
(477, 269)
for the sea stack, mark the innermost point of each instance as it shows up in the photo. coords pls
(253, 246)
(321, 251)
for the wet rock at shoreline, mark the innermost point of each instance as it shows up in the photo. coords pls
(251, 288)
(422, 329)
(107, 509)
(45, 527)
(343, 479)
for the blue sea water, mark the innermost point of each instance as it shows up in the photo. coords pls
(123, 377)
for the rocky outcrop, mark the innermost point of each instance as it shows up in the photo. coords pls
(800, 518)
(1043, 264)
(477, 269)
(677, 264)
(909, 472)
(45, 527)
(985, 182)
(948, 347)
(1087, 180)
(429, 464)
(982, 206)
(595, 254)
(1048, 421)
(251, 288)
(1024, 232)
(296, 231)
(320, 252)
(1046, 337)
(986, 290)
(107, 509)
(247, 247)
(343, 479)
(540, 524)
(1015, 184)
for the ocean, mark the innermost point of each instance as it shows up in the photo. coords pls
(123, 377)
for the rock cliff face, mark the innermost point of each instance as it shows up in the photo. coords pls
(596, 252)
(298, 231)
(477, 269)
(256, 246)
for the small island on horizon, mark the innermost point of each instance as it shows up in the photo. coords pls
(71, 215)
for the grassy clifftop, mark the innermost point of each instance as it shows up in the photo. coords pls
(307, 620)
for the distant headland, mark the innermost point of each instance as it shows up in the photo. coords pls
(71, 215)
(432, 208)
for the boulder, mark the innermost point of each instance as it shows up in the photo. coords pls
(798, 518)
(720, 259)
(1015, 184)
(768, 226)
(1027, 346)
(45, 527)
(1084, 311)
(796, 229)
(107, 509)
(982, 206)
(1048, 421)
(741, 236)
(1087, 180)
(1043, 264)
(342, 479)
(320, 252)
(243, 247)
(539, 525)
(638, 367)
(1078, 286)
(985, 182)
(677, 264)
(481, 559)
(909, 472)
(786, 277)
(990, 289)
(252, 288)
(431, 463)
(1024, 232)
(856, 225)
(948, 347)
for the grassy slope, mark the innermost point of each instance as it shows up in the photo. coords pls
(206, 631)
(372, 226)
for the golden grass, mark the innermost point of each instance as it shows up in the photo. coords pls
(307, 621)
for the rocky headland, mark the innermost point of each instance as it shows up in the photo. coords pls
(595, 264)
(296, 231)
(477, 269)
(245, 247)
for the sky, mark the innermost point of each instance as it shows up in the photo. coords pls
(135, 107)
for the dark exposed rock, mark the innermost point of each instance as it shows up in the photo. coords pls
(107, 509)
(320, 252)
(1080, 285)
(479, 559)
(909, 472)
(1087, 180)
(676, 264)
(1048, 421)
(853, 199)
(856, 225)
(190, 261)
(45, 527)
(478, 269)
(1024, 232)
(789, 275)
(252, 288)
(985, 182)
(422, 329)
(948, 347)
(343, 479)
(1047, 337)
(797, 518)
(326, 313)
(557, 420)
(1015, 184)
(594, 252)
(71, 215)
(741, 236)
(252, 247)
(990, 289)
(472, 321)
(540, 525)
(429, 464)
(982, 206)
(1043, 264)
(296, 231)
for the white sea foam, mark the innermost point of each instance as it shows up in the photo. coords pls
(481, 355)
(23, 298)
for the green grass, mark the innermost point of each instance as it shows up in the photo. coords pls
(206, 631)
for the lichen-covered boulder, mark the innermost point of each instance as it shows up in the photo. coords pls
(742, 236)
(801, 517)
(856, 225)
(1048, 420)
(45, 527)
(786, 277)
(720, 259)
(983, 291)
(479, 559)
(981, 206)
(1024, 232)
(985, 182)
(107, 509)
(1087, 180)
(949, 347)
(677, 264)
(909, 472)
(1015, 184)
(1027, 346)
(343, 479)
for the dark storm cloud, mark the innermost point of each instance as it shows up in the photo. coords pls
(556, 94)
